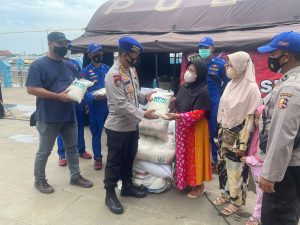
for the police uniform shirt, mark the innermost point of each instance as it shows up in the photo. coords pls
(282, 126)
(123, 95)
(216, 78)
(96, 75)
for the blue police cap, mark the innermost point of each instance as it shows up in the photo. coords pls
(206, 42)
(131, 45)
(94, 47)
(288, 41)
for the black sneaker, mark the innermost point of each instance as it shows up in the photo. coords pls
(113, 203)
(81, 182)
(43, 187)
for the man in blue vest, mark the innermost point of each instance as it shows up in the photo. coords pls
(216, 80)
(98, 109)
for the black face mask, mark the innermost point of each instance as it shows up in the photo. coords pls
(97, 58)
(274, 64)
(133, 62)
(61, 51)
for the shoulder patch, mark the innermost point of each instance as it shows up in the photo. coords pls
(117, 80)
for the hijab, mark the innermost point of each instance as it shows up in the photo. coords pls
(194, 96)
(241, 96)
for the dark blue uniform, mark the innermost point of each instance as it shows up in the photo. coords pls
(98, 110)
(80, 114)
(216, 80)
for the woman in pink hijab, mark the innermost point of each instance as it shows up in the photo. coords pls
(236, 112)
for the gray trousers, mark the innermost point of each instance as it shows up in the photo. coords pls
(48, 133)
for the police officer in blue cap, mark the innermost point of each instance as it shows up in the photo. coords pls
(280, 136)
(124, 97)
(98, 110)
(216, 81)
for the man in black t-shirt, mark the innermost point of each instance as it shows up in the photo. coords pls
(48, 78)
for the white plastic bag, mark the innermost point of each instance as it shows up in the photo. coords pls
(101, 92)
(155, 128)
(160, 102)
(172, 128)
(164, 171)
(155, 150)
(77, 89)
(153, 183)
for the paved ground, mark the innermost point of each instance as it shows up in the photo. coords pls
(21, 204)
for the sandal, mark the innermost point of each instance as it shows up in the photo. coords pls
(230, 209)
(220, 201)
(195, 193)
(253, 221)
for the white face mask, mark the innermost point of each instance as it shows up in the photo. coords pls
(231, 73)
(189, 77)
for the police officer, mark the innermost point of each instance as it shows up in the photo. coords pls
(80, 115)
(123, 94)
(98, 110)
(281, 121)
(216, 81)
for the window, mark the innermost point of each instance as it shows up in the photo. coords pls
(178, 58)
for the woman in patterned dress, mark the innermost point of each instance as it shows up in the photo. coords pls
(236, 119)
(193, 157)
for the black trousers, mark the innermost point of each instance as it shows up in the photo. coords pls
(282, 207)
(122, 148)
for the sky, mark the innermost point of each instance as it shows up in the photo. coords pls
(41, 15)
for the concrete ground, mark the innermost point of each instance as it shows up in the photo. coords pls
(21, 204)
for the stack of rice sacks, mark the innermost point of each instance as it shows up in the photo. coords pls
(153, 162)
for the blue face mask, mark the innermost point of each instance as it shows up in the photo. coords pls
(204, 53)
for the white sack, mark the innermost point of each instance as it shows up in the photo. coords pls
(77, 89)
(160, 103)
(154, 128)
(155, 150)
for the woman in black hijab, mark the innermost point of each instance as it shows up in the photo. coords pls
(193, 160)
